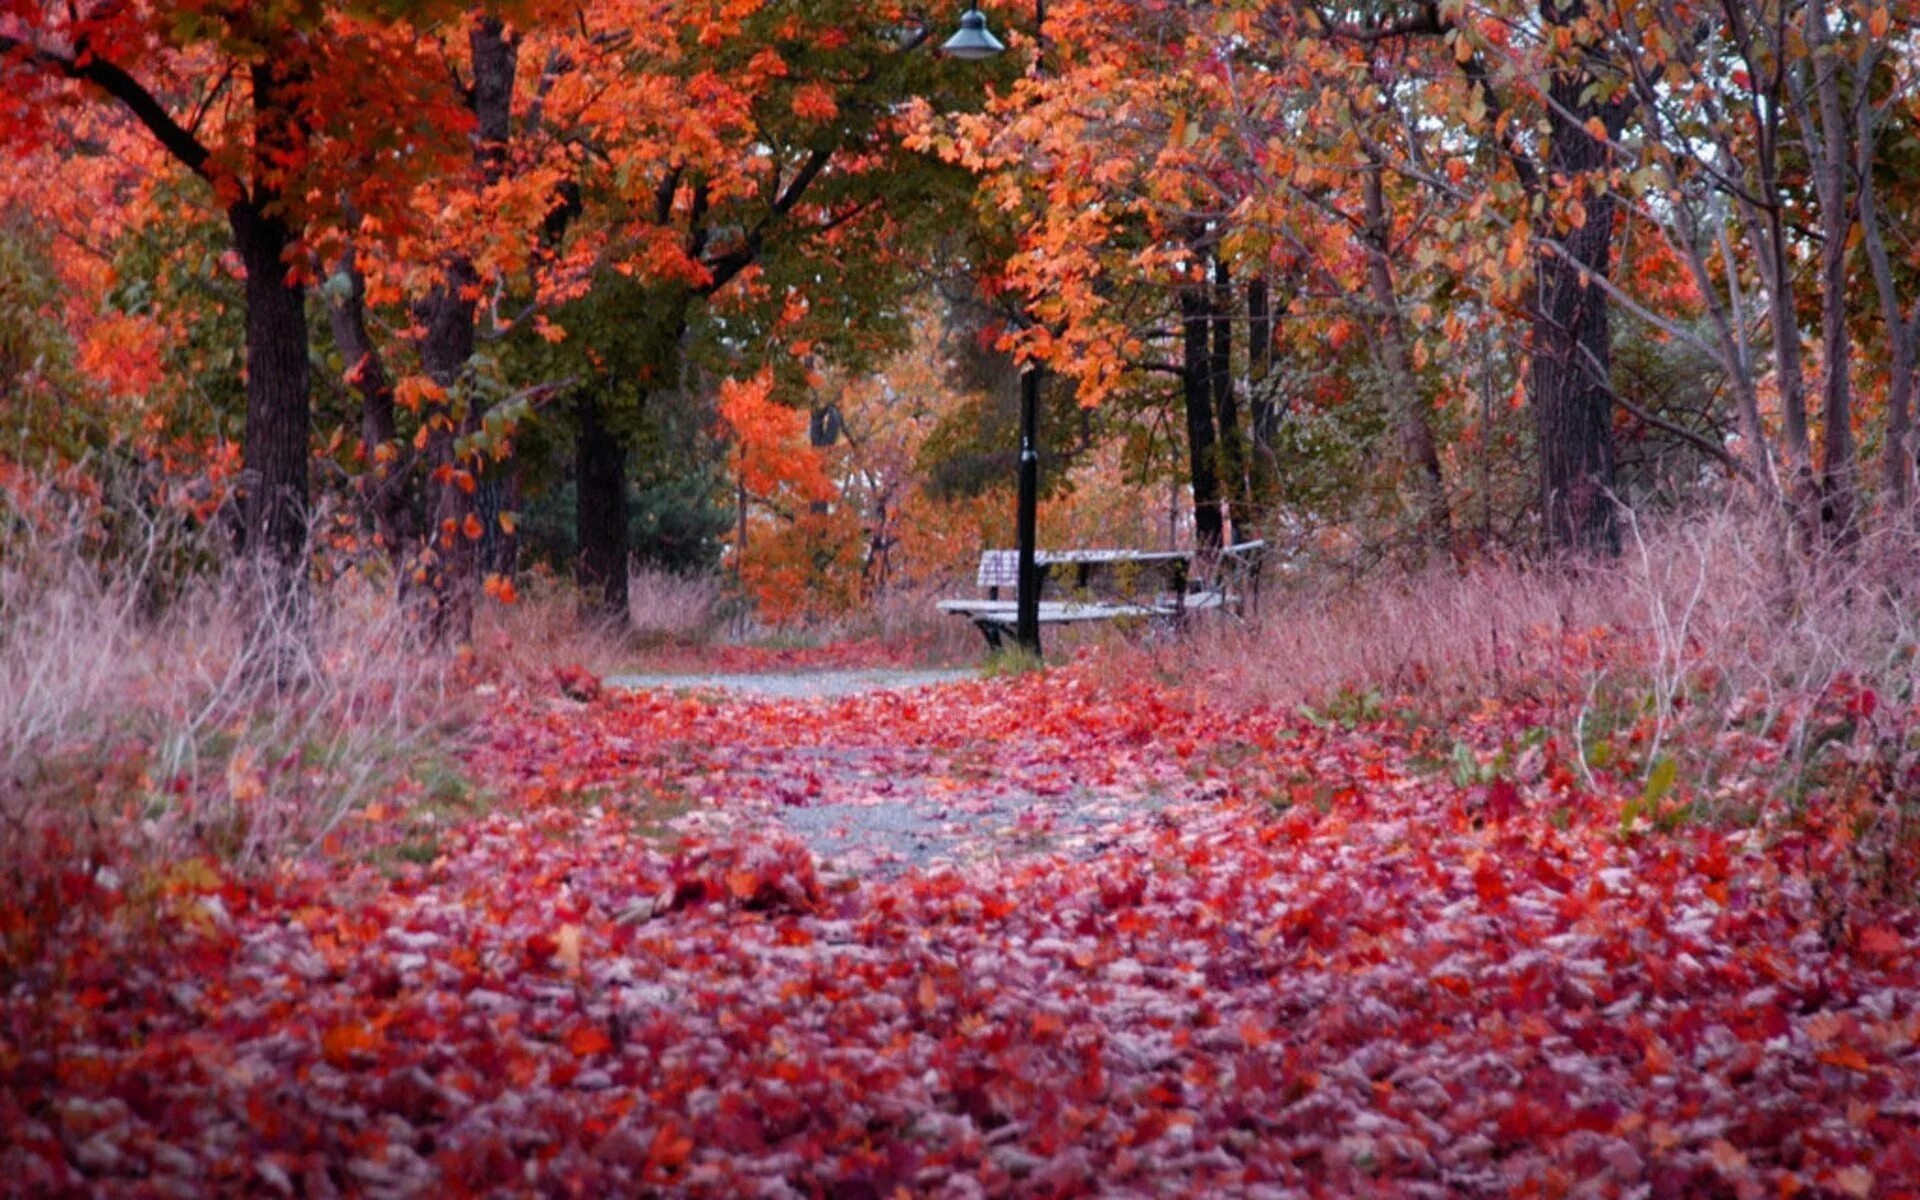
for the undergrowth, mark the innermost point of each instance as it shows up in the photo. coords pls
(1713, 673)
(139, 729)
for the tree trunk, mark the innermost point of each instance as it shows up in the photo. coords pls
(448, 314)
(1226, 405)
(450, 557)
(1259, 357)
(1571, 390)
(499, 548)
(1196, 372)
(1765, 214)
(600, 482)
(1263, 417)
(279, 417)
(274, 505)
(383, 489)
(1839, 487)
(1406, 401)
(1902, 333)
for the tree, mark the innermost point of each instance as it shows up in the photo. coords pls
(294, 124)
(710, 223)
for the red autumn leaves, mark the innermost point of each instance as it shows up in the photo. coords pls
(1294, 958)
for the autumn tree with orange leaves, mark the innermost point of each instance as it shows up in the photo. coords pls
(1315, 249)
(262, 104)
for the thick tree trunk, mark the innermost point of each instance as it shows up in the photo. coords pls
(274, 505)
(1196, 390)
(600, 482)
(1263, 416)
(279, 417)
(1571, 390)
(1419, 452)
(1226, 405)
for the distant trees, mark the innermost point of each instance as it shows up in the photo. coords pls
(1720, 173)
(1347, 262)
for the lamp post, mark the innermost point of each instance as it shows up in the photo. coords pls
(974, 41)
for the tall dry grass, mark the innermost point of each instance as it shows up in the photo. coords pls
(146, 713)
(1758, 669)
(906, 617)
(669, 606)
(546, 627)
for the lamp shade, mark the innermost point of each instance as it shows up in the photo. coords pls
(973, 41)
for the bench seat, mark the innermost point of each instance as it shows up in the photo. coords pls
(997, 618)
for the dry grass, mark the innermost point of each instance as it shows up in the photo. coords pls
(1450, 634)
(525, 641)
(665, 606)
(906, 617)
(137, 724)
(1761, 671)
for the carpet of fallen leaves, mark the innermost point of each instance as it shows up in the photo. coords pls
(1141, 946)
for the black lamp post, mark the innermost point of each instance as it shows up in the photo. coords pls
(973, 42)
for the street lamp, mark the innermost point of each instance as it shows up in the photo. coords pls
(974, 42)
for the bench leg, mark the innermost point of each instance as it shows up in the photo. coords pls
(990, 630)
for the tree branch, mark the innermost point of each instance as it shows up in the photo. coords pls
(117, 83)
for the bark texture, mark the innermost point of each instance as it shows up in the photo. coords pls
(1571, 390)
(1418, 450)
(447, 313)
(1196, 379)
(1226, 405)
(274, 509)
(383, 489)
(600, 480)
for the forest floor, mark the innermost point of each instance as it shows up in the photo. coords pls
(1081, 931)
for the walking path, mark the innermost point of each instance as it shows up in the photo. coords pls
(792, 685)
(1036, 937)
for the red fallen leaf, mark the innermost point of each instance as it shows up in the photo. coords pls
(522, 1069)
(754, 876)
(1502, 801)
(342, 1042)
(1489, 883)
(1714, 863)
(1878, 939)
(540, 949)
(577, 682)
(670, 1148)
(1848, 1057)
(588, 1040)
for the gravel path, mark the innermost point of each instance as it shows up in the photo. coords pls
(875, 808)
(793, 685)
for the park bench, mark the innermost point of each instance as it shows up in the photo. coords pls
(1107, 586)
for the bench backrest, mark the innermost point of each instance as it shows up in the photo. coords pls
(999, 568)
